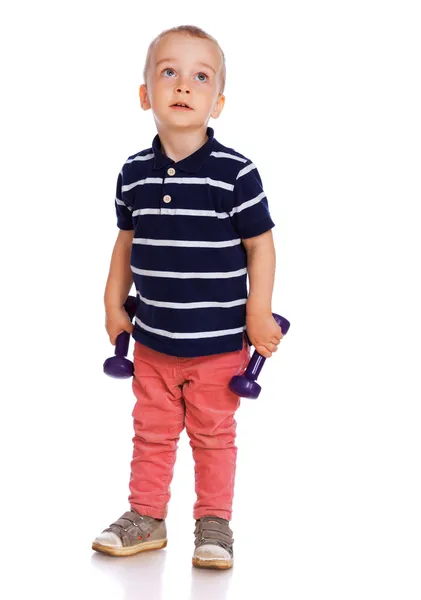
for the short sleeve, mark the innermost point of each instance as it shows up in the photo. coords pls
(250, 213)
(122, 207)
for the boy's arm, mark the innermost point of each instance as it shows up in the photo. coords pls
(261, 263)
(262, 330)
(251, 220)
(120, 278)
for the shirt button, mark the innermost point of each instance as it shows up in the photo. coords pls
(167, 199)
(171, 171)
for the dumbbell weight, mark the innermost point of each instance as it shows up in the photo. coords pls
(246, 385)
(119, 366)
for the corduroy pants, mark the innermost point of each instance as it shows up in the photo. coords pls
(173, 393)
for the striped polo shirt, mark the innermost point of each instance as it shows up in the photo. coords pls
(188, 262)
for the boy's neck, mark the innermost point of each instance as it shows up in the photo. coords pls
(178, 145)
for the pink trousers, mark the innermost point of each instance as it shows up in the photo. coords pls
(173, 393)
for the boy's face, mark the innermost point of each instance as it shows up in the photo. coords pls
(183, 69)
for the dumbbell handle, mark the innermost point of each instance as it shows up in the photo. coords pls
(257, 360)
(123, 339)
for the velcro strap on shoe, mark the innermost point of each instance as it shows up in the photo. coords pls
(128, 528)
(214, 531)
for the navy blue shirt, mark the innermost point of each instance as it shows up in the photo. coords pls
(188, 262)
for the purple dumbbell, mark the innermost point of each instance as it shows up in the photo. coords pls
(119, 366)
(245, 385)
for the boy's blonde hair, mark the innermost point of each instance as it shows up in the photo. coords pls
(193, 31)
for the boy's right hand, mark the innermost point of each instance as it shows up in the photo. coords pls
(116, 321)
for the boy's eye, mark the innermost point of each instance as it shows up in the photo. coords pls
(203, 76)
(170, 70)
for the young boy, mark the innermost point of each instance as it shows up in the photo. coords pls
(194, 221)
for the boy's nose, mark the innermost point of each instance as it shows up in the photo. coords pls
(183, 87)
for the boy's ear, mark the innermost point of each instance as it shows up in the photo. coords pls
(143, 96)
(219, 105)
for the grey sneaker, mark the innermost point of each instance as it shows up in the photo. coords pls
(130, 534)
(213, 543)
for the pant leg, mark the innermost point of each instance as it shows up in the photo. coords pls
(158, 419)
(211, 427)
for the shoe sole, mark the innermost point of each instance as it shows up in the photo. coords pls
(129, 550)
(214, 563)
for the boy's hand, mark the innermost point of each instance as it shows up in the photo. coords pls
(116, 321)
(264, 333)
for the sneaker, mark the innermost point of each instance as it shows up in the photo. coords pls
(213, 543)
(130, 534)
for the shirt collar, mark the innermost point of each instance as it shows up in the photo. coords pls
(191, 163)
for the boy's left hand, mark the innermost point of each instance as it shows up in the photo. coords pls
(264, 333)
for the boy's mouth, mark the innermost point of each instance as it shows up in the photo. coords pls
(180, 106)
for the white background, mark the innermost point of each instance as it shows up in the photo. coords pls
(325, 98)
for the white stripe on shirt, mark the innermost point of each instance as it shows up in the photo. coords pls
(190, 305)
(186, 243)
(190, 336)
(248, 203)
(143, 157)
(183, 180)
(126, 188)
(185, 275)
(227, 155)
(121, 203)
(246, 170)
(200, 181)
(189, 212)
